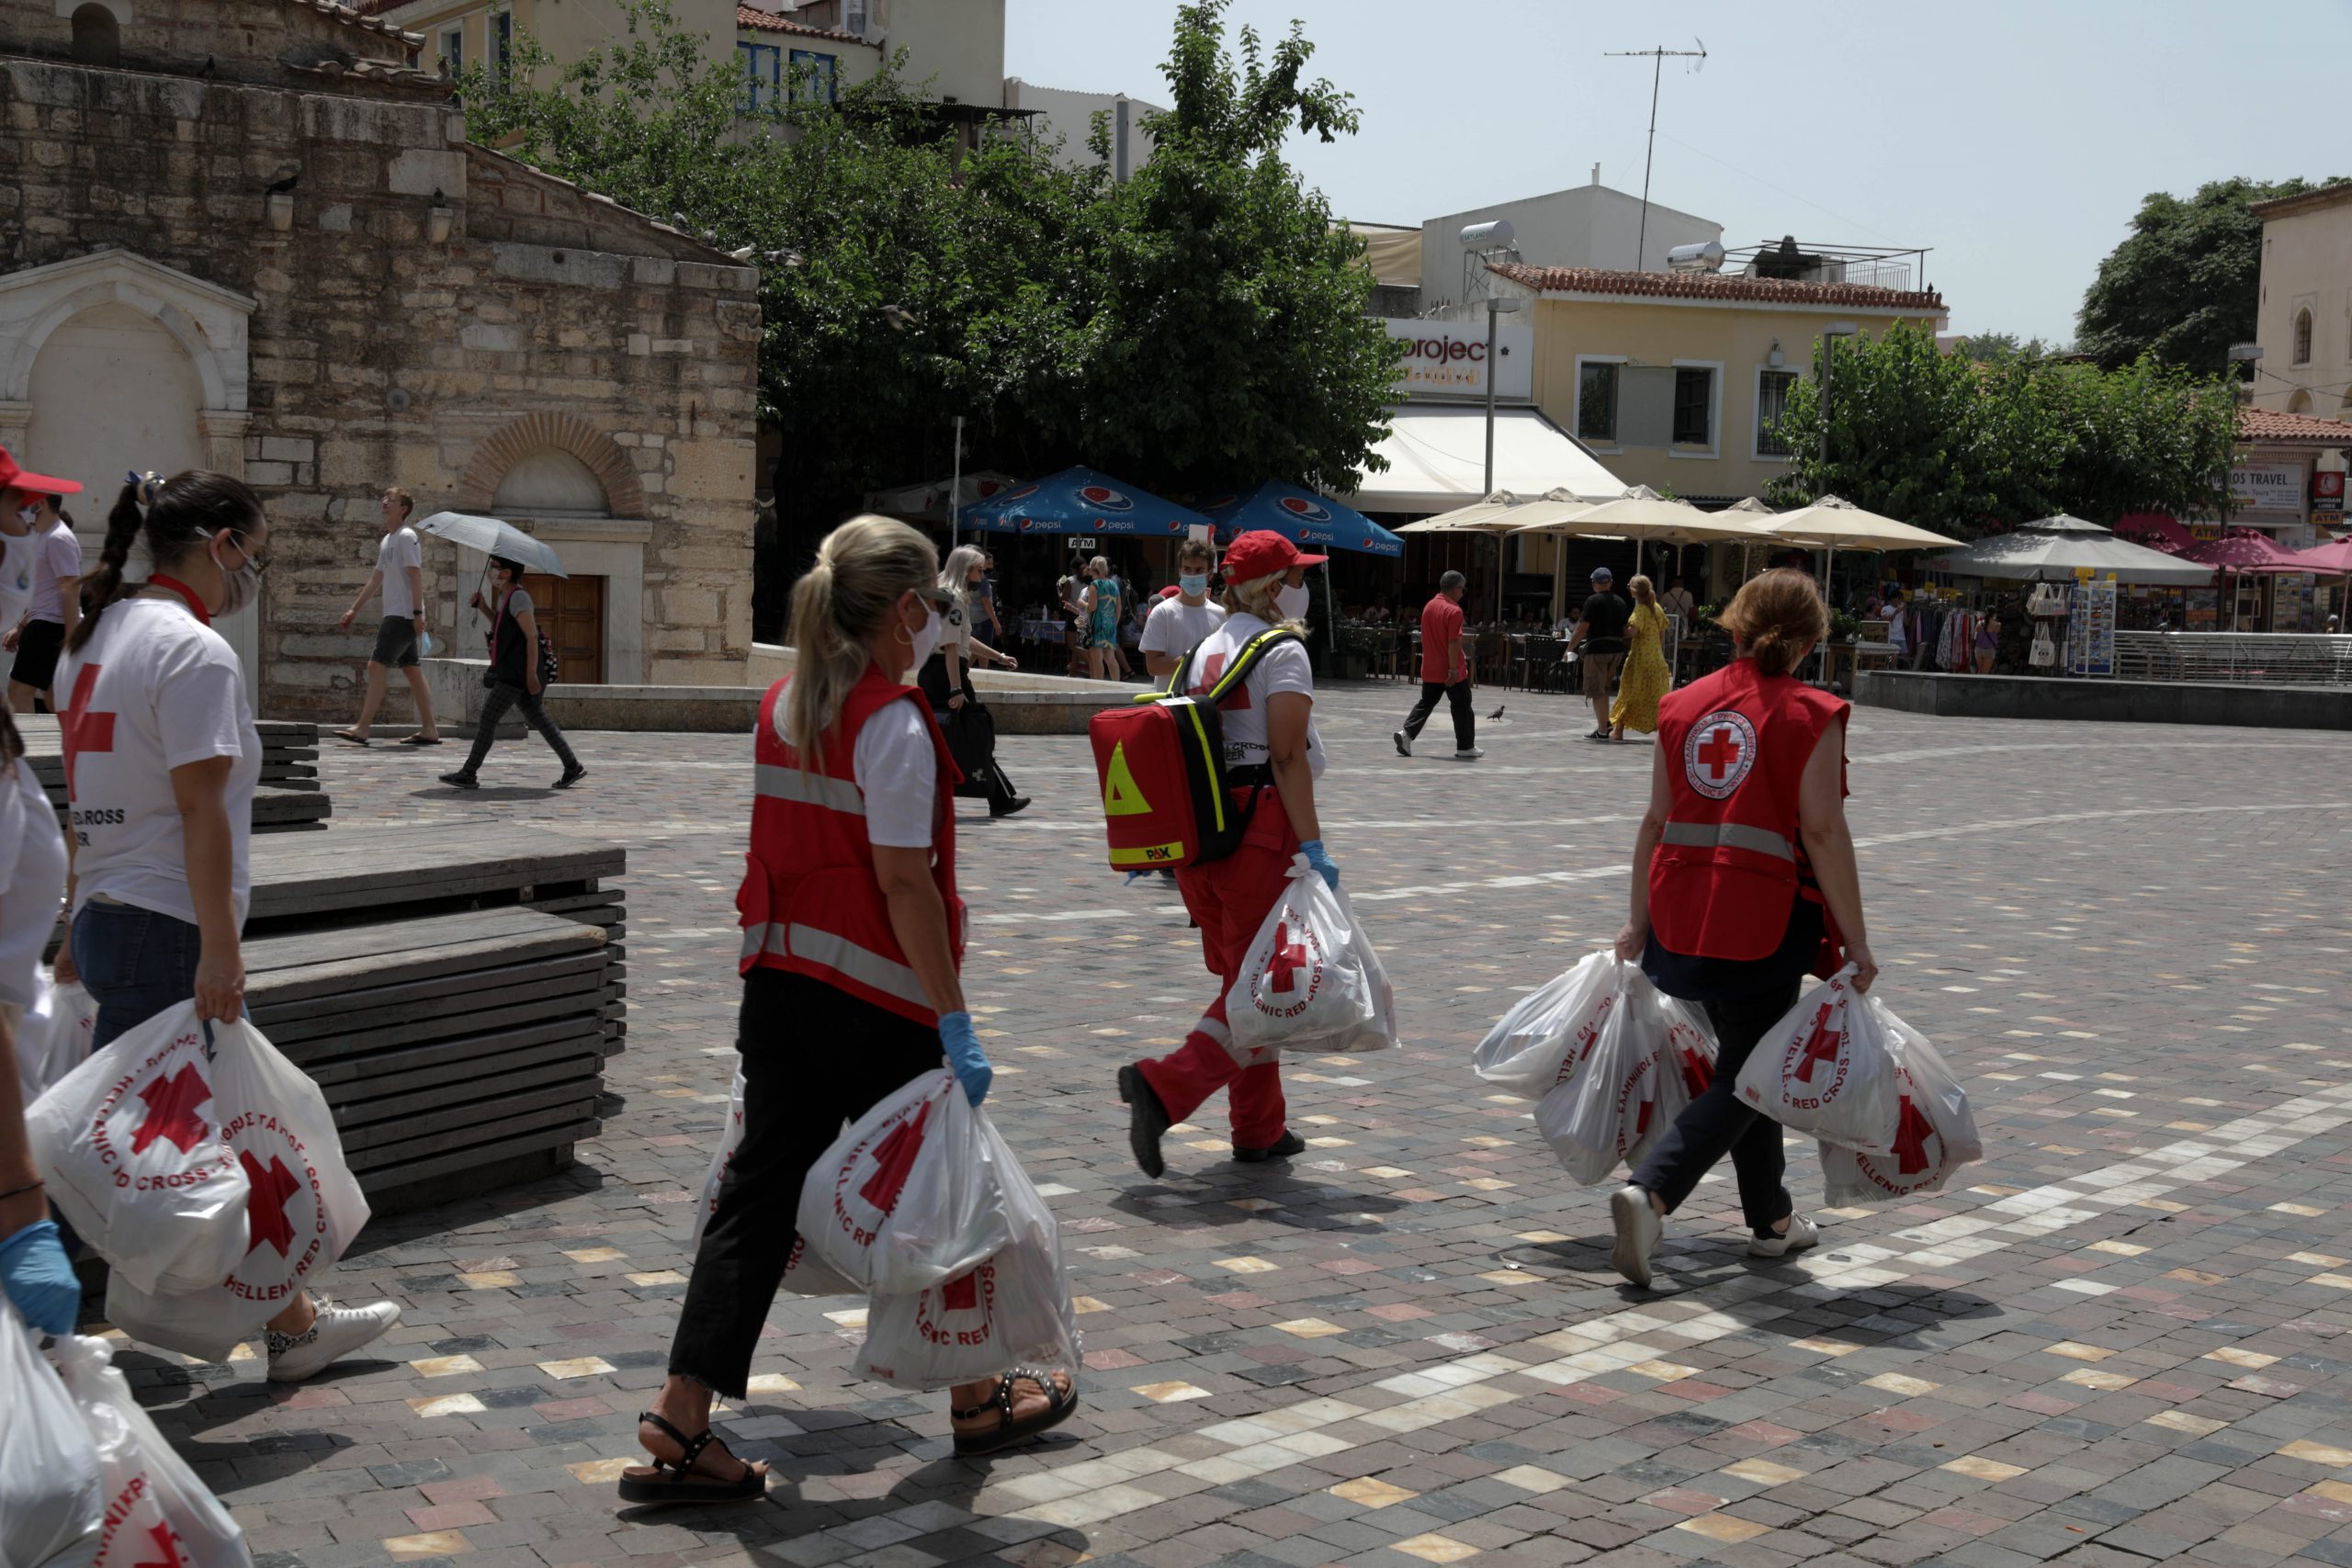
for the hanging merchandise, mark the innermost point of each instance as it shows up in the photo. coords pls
(158, 1512)
(2090, 628)
(2044, 652)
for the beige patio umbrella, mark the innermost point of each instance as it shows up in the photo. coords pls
(1831, 523)
(1492, 515)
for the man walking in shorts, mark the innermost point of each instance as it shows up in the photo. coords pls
(1599, 641)
(400, 573)
(1446, 672)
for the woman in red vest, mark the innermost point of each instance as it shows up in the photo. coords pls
(853, 938)
(1744, 844)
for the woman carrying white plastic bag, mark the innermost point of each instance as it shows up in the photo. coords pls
(851, 987)
(1311, 981)
(1744, 844)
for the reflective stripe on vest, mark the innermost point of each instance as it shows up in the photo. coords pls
(838, 953)
(1729, 836)
(810, 788)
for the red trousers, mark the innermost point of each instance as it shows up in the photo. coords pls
(1229, 899)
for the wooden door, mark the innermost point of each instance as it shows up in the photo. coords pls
(571, 616)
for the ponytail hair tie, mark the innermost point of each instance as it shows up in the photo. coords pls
(149, 485)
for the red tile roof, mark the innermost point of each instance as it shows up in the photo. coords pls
(776, 22)
(1715, 285)
(2303, 201)
(2267, 425)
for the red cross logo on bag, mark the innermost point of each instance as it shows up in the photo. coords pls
(265, 1218)
(894, 1161)
(962, 1293)
(1718, 752)
(1819, 1046)
(171, 1111)
(1911, 1135)
(1290, 957)
(167, 1542)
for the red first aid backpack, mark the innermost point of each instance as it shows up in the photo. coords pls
(1166, 802)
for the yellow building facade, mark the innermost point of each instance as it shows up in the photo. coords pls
(1672, 380)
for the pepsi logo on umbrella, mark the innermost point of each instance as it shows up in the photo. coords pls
(1105, 497)
(1301, 507)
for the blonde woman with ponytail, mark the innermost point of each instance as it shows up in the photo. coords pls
(1743, 879)
(853, 941)
(1273, 757)
(946, 681)
(163, 815)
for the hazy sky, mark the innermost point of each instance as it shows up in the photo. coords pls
(2017, 139)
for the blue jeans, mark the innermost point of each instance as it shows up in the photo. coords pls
(134, 962)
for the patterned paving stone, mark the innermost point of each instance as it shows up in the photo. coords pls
(2123, 1341)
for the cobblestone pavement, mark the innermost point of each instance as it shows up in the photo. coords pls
(2125, 1342)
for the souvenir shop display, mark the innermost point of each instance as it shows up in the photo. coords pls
(2090, 628)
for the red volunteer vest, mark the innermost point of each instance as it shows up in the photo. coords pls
(810, 902)
(1730, 865)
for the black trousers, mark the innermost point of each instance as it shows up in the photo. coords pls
(1457, 696)
(814, 1057)
(1719, 1122)
(493, 709)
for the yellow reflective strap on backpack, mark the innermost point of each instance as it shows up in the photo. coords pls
(1201, 738)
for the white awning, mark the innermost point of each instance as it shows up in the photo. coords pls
(1437, 460)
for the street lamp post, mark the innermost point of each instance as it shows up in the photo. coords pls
(1496, 307)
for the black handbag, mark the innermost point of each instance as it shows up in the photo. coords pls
(971, 738)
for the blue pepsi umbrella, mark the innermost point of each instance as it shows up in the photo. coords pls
(1080, 501)
(1303, 518)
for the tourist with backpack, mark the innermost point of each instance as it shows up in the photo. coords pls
(1230, 834)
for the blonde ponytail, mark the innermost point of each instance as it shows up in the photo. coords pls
(863, 569)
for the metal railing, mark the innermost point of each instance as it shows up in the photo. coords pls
(2269, 658)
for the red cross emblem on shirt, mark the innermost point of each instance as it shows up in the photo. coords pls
(1290, 957)
(171, 1111)
(78, 728)
(1719, 753)
(1821, 1046)
(894, 1159)
(265, 1218)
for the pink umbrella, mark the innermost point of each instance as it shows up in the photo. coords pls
(2334, 559)
(2240, 550)
(2157, 530)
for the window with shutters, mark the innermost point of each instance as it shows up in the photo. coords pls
(1772, 402)
(2302, 337)
(763, 76)
(1694, 400)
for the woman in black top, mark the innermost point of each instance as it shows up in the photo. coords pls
(514, 677)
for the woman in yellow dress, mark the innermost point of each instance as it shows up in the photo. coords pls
(1646, 678)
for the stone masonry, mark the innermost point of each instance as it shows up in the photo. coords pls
(542, 317)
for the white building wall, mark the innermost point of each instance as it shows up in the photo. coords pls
(1590, 225)
(958, 45)
(1069, 115)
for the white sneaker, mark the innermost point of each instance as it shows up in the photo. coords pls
(1639, 1230)
(1472, 755)
(334, 1334)
(1802, 1232)
(1404, 743)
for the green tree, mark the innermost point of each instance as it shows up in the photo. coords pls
(2184, 284)
(1228, 343)
(1968, 448)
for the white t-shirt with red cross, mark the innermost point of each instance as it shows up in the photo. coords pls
(1283, 668)
(153, 689)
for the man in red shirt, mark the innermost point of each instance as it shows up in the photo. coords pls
(1445, 670)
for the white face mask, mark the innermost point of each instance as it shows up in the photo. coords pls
(29, 516)
(1292, 601)
(927, 639)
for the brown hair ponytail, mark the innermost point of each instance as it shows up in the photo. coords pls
(1775, 617)
(178, 514)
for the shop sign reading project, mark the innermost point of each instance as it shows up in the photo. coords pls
(1449, 359)
(2267, 487)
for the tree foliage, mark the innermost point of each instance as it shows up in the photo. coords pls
(1968, 448)
(2184, 284)
(1200, 327)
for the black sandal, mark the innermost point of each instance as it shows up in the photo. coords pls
(1009, 1429)
(676, 1483)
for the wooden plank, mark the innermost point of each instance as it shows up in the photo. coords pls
(390, 1095)
(459, 1010)
(476, 1137)
(548, 977)
(391, 1178)
(335, 962)
(354, 1041)
(328, 1069)
(509, 1095)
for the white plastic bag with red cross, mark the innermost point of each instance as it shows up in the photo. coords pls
(1827, 1068)
(200, 1162)
(1536, 1046)
(1310, 980)
(1606, 1109)
(1935, 1131)
(804, 1275)
(912, 1194)
(1685, 1051)
(1010, 1310)
(51, 1498)
(158, 1512)
(54, 1037)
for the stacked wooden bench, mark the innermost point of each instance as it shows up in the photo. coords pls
(457, 1051)
(289, 797)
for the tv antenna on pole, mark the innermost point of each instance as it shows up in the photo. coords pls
(1659, 57)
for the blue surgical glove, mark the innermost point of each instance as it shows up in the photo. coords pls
(1320, 858)
(39, 1278)
(961, 1044)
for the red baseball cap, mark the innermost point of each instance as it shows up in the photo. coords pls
(1261, 553)
(14, 477)
(1170, 591)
